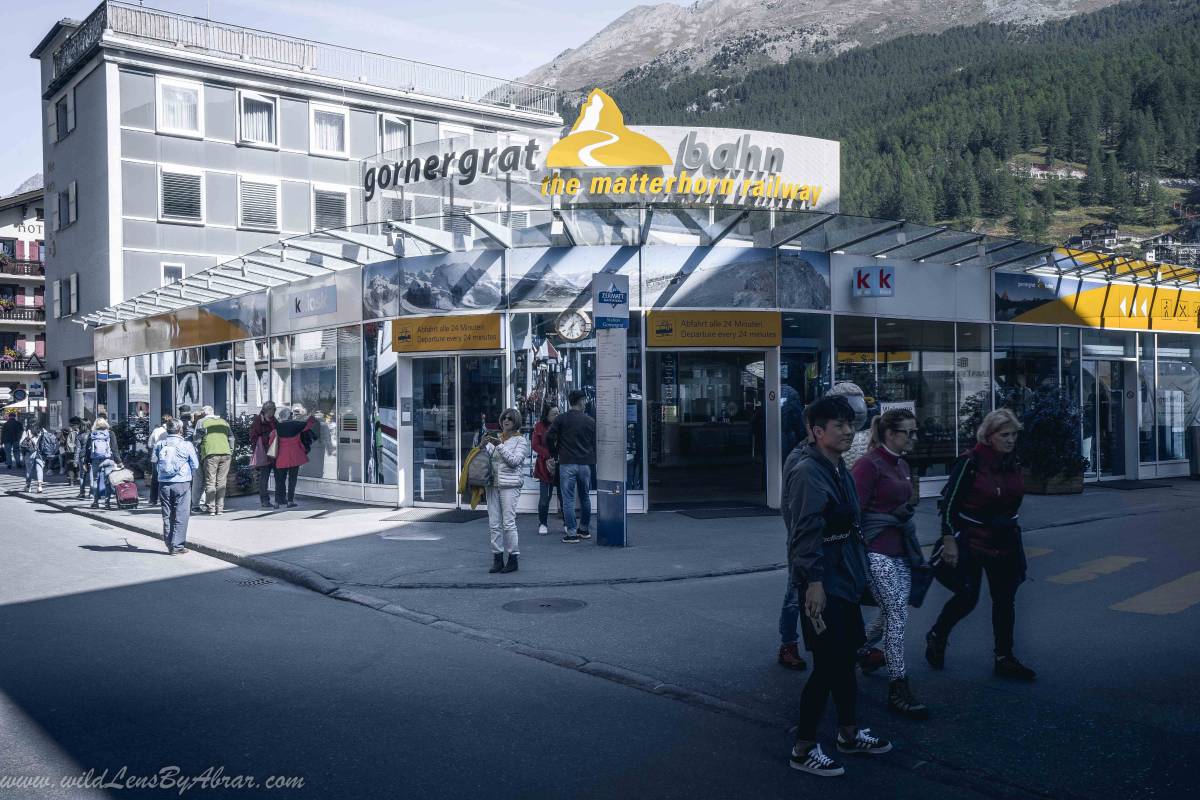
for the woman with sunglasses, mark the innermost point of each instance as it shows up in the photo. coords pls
(508, 451)
(885, 492)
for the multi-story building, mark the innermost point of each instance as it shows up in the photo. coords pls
(174, 143)
(22, 292)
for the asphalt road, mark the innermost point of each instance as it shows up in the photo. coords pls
(120, 661)
(119, 656)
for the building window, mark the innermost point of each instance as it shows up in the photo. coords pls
(39, 214)
(8, 247)
(181, 195)
(66, 296)
(328, 124)
(258, 119)
(456, 132)
(57, 299)
(180, 107)
(330, 208)
(170, 274)
(67, 206)
(64, 115)
(258, 203)
(393, 132)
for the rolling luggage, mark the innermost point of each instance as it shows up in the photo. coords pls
(127, 494)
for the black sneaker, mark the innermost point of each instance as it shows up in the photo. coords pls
(1009, 667)
(571, 538)
(815, 762)
(935, 650)
(863, 742)
(584, 533)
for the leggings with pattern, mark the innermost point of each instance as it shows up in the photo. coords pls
(891, 581)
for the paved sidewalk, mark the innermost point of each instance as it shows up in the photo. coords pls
(326, 544)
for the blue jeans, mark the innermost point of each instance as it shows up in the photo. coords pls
(12, 455)
(175, 500)
(101, 484)
(789, 615)
(575, 479)
(545, 492)
(34, 464)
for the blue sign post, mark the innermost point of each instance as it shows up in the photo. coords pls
(610, 310)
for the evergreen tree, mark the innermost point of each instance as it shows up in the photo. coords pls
(1157, 204)
(1093, 189)
(1114, 181)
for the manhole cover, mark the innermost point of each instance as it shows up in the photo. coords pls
(544, 605)
(251, 581)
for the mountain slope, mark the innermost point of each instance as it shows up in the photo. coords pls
(734, 35)
(930, 123)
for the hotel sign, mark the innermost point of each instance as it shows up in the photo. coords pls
(445, 333)
(714, 329)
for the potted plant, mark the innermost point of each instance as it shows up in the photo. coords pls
(243, 479)
(1048, 447)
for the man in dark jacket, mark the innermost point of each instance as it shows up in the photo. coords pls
(572, 441)
(11, 438)
(828, 563)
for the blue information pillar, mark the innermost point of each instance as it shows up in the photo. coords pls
(610, 309)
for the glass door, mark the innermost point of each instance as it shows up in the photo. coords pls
(454, 398)
(435, 430)
(1104, 417)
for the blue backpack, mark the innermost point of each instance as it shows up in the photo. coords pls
(101, 444)
(170, 460)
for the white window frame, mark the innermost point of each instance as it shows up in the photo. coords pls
(387, 116)
(72, 203)
(57, 299)
(73, 294)
(182, 170)
(313, 108)
(162, 271)
(268, 179)
(273, 99)
(326, 187)
(448, 129)
(504, 139)
(161, 81)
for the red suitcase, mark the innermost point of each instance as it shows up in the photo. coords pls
(127, 494)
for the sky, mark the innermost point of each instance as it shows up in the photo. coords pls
(506, 38)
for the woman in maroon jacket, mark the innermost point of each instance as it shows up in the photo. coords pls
(980, 533)
(544, 469)
(261, 428)
(291, 455)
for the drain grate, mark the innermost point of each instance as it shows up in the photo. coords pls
(544, 605)
(251, 581)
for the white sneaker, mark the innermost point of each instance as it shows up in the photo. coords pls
(815, 762)
(543, 530)
(863, 742)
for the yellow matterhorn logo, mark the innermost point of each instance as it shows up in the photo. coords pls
(599, 138)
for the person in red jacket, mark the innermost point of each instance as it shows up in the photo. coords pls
(545, 469)
(290, 456)
(981, 534)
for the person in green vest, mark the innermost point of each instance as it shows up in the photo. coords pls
(216, 453)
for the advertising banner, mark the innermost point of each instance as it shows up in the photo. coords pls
(1052, 300)
(436, 334)
(713, 329)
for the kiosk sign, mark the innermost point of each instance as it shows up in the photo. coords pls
(610, 301)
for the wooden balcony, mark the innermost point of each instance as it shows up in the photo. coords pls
(22, 268)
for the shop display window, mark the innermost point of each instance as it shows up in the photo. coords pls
(314, 396)
(916, 370)
(1026, 359)
(1177, 394)
(804, 373)
(380, 408)
(973, 371)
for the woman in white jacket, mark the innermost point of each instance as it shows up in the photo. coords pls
(508, 452)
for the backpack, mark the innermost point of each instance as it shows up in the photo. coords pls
(101, 446)
(48, 444)
(478, 469)
(170, 460)
(28, 443)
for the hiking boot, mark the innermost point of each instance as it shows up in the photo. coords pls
(863, 742)
(901, 700)
(871, 659)
(1009, 667)
(497, 563)
(571, 538)
(814, 761)
(935, 650)
(511, 566)
(789, 656)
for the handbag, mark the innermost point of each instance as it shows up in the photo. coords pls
(953, 578)
(273, 450)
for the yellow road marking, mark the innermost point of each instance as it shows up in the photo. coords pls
(1094, 569)
(1170, 598)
